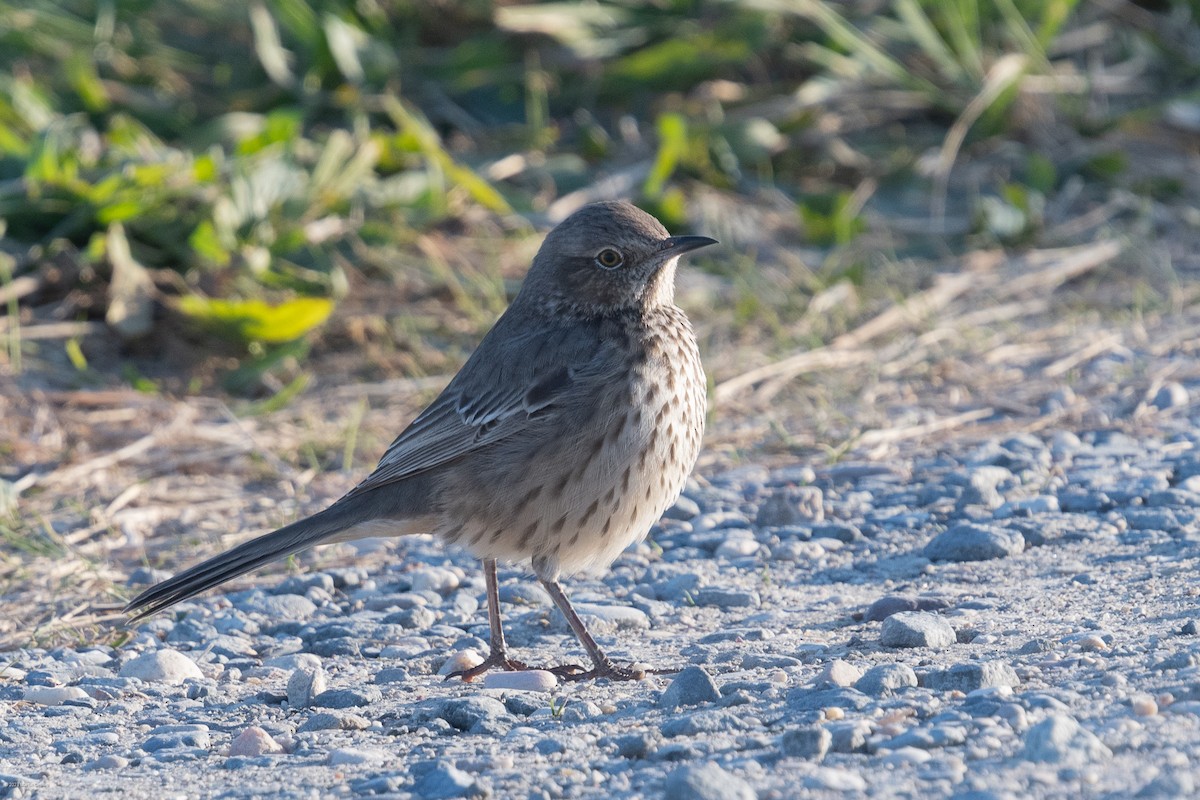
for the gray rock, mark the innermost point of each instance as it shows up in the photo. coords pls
(1170, 395)
(706, 782)
(812, 742)
(444, 781)
(719, 520)
(1169, 786)
(804, 699)
(883, 680)
(434, 579)
(884, 607)
(981, 486)
(1060, 740)
(300, 584)
(347, 698)
(684, 508)
(971, 676)
(970, 542)
(916, 629)
(707, 721)
(691, 687)
(633, 746)
(169, 737)
(304, 685)
(839, 673)
(677, 587)
(467, 712)
(726, 598)
(1159, 519)
(525, 593)
(792, 506)
(842, 531)
(326, 721)
(835, 779)
(941, 735)
(278, 607)
(849, 736)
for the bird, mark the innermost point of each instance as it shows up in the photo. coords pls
(565, 436)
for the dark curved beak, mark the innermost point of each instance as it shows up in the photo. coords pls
(678, 245)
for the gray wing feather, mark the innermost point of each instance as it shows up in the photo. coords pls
(510, 379)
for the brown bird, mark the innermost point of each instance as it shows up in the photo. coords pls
(564, 437)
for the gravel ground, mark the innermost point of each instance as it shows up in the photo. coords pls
(1010, 618)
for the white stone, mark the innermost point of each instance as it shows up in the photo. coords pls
(1059, 739)
(435, 579)
(840, 673)
(293, 661)
(462, 660)
(834, 779)
(53, 695)
(164, 666)
(737, 548)
(531, 680)
(356, 755)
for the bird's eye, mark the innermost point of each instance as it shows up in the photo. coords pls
(609, 259)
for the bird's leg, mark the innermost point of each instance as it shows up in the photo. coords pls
(498, 657)
(602, 666)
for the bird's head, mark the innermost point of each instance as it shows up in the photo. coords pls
(606, 257)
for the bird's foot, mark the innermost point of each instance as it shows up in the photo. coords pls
(497, 660)
(607, 669)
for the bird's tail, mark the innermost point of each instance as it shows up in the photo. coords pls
(350, 518)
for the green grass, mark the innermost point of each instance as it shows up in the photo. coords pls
(261, 153)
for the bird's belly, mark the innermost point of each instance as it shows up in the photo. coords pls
(589, 492)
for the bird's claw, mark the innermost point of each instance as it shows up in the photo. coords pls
(494, 661)
(634, 672)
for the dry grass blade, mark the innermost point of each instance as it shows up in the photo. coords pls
(884, 436)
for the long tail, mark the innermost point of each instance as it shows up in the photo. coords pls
(348, 518)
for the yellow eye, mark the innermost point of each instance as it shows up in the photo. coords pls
(609, 258)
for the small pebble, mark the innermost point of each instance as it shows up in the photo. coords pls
(971, 542)
(254, 741)
(839, 673)
(972, 676)
(110, 761)
(884, 680)
(835, 779)
(691, 687)
(1170, 395)
(446, 781)
(53, 695)
(435, 579)
(162, 666)
(532, 680)
(1143, 705)
(916, 629)
(1060, 740)
(706, 782)
(792, 506)
(304, 685)
(356, 755)
(812, 742)
(466, 713)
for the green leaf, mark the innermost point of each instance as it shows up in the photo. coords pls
(207, 243)
(672, 146)
(255, 320)
(81, 72)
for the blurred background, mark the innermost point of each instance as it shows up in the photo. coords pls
(243, 244)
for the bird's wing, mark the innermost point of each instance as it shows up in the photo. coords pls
(513, 378)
